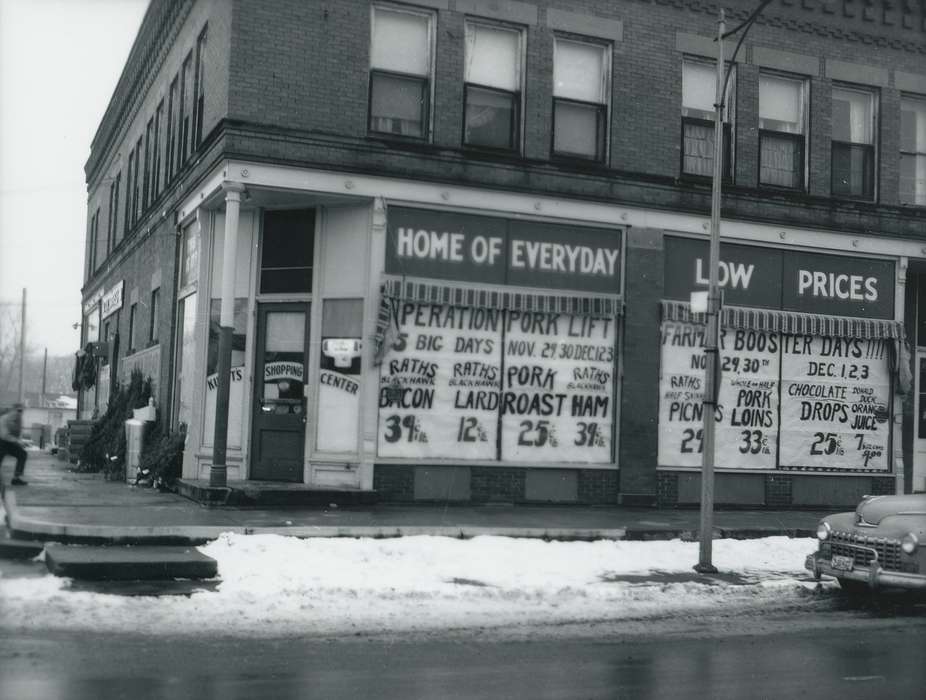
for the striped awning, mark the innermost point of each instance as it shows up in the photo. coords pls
(395, 290)
(794, 322)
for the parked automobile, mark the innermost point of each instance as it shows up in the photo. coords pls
(880, 545)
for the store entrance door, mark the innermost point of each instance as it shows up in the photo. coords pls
(278, 437)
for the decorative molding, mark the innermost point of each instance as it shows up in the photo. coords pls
(785, 61)
(910, 82)
(857, 73)
(587, 25)
(507, 11)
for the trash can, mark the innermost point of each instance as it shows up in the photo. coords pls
(134, 438)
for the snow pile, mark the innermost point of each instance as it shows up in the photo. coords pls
(274, 585)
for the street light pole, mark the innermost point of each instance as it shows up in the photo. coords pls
(714, 300)
(712, 331)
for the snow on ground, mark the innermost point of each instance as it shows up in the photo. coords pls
(275, 585)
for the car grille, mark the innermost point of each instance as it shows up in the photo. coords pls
(847, 543)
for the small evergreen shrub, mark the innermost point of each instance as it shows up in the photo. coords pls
(162, 458)
(104, 450)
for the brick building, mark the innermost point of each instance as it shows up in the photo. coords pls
(466, 232)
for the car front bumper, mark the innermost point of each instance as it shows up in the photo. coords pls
(873, 575)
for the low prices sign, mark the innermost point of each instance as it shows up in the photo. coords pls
(835, 405)
(747, 408)
(558, 402)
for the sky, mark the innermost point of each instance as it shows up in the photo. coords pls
(59, 64)
(280, 586)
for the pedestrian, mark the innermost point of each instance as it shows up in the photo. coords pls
(11, 426)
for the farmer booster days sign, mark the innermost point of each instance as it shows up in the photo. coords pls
(471, 383)
(790, 401)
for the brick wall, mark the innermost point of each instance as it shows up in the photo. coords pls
(394, 482)
(777, 490)
(598, 486)
(499, 484)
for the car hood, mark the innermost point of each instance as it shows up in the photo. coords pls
(875, 508)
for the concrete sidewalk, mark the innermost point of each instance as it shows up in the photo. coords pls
(65, 506)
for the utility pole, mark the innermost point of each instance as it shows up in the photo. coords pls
(22, 351)
(44, 374)
(714, 298)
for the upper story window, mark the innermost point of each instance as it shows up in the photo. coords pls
(156, 152)
(199, 102)
(782, 143)
(699, 87)
(189, 256)
(184, 128)
(400, 72)
(93, 240)
(136, 183)
(173, 104)
(492, 90)
(154, 310)
(133, 328)
(147, 194)
(112, 226)
(853, 154)
(128, 192)
(913, 150)
(581, 81)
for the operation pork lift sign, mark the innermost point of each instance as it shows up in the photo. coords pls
(473, 383)
(786, 401)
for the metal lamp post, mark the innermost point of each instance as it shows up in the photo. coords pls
(714, 300)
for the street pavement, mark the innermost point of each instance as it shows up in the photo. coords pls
(62, 505)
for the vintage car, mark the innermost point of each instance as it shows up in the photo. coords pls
(880, 545)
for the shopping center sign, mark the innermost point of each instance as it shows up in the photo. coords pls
(489, 250)
(792, 280)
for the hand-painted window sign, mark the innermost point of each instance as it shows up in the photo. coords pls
(111, 301)
(783, 279)
(447, 245)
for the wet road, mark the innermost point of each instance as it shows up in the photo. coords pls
(829, 648)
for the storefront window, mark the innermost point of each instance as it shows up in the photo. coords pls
(237, 376)
(339, 376)
(186, 332)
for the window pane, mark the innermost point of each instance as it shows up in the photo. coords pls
(913, 126)
(780, 104)
(578, 72)
(397, 105)
(288, 242)
(699, 149)
(781, 161)
(578, 129)
(699, 87)
(852, 170)
(400, 42)
(852, 116)
(913, 179)
(492, 57)
(490, 118)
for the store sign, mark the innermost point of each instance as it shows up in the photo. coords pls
(488, 250)
(486, 384)
(92, 301)
(785, 401)
(111, 301)
(783, 279)
(236, 389)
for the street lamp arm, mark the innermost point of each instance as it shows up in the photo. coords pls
(747, 25)
(748, 21)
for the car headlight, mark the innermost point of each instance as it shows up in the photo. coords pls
(909, 543)
(823, 530)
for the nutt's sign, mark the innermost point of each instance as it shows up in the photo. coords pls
(783, 279)
(447, 245)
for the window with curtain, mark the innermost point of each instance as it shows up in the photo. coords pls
(492, 86)
(913, 150)
(853, 150)
(699, 81)
(400, 72)
(580, 99)
(781, 131)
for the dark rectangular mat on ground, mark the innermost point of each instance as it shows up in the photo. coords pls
(128, 563)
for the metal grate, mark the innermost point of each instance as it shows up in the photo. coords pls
(850, 545)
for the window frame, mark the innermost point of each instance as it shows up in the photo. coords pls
(427, 120)
(93, 242)
(517, 121)
(133, 323)
(153, 311)
(128, 192)
(874, 95)
(199, 89)
(170, 142)
(728, 150)
(920, 100)
(156, 153)
(801, 137)
(185, 112)
(603, 117)
(146, 184)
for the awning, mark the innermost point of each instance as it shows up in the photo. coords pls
(791, 322)
(395, 290)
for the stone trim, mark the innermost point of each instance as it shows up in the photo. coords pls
(587, 25)
(508, 11)
(785, 61)
(857, 73)
(704, 46)
(910, 82)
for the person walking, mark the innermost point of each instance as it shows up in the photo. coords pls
(11, 426)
